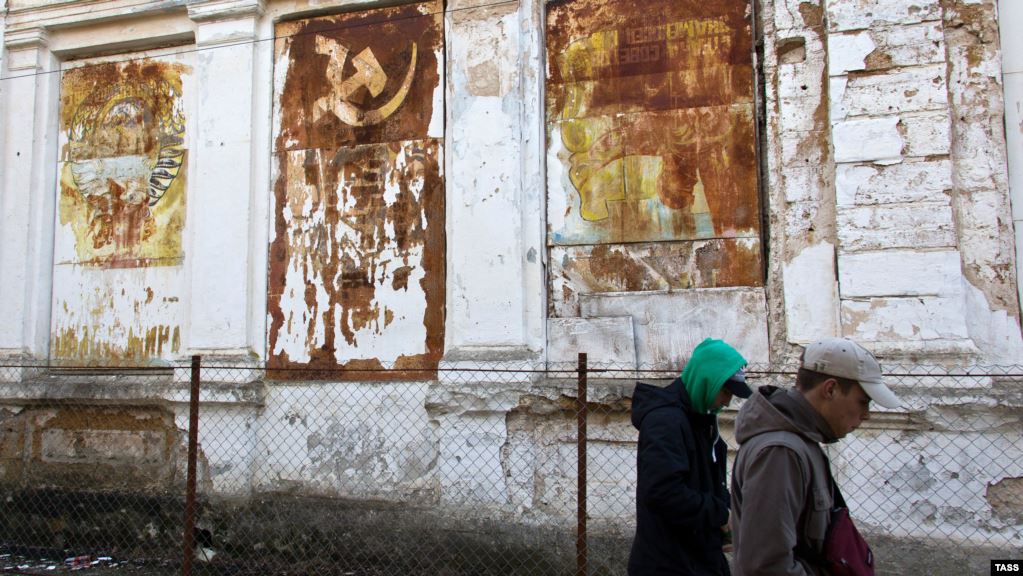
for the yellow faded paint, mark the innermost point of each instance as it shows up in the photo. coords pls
(122, 174)
(72, 344)
(122, 195)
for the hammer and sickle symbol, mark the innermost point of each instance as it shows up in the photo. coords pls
(368, 73)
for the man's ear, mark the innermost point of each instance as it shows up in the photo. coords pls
(828, 388)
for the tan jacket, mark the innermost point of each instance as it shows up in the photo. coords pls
(781, 496)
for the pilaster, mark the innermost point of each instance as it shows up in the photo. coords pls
(221, 210)
(27, 181)
(488, 253)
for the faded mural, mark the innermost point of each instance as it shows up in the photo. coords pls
(122, 192)
(652, 169)
(357, 257)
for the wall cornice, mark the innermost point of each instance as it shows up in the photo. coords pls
(213, 10)
(27, 14)
(26, 38)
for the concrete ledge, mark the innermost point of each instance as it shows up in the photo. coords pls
(131, 389)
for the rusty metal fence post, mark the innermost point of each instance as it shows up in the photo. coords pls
(193, 441)
(580, 541)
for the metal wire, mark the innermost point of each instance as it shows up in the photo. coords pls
(472, 471)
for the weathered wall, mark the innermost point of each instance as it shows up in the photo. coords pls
(652, 182)
(893, 109)
(123, 198)
(357, 277)
(948, 466)
(884, 189)
(882, 213)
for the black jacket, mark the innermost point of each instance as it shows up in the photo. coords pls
(681, 496)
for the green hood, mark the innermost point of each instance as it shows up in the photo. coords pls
(712, 362)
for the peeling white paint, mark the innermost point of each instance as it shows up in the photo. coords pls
(872, 139)
(900, 273)
(906, 182)
(930, 324)
(847, 52)
(912, 225)
(917, 89)
(927, 133)
(610, 341)
(861, 14)
(996, 333)
(668, 325)
(810, 294)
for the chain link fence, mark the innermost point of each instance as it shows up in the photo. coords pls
(479, 468)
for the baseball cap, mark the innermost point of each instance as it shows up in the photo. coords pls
(736, 384)
(844, 358)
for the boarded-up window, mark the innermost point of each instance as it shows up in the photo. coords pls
(118, 265)
(651, 156)
(356, 277)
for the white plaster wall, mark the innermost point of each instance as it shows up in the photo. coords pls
(227, 183)
(3, 73)
(609, 341)
(260, 199)
(981, 199)
(532, 165)
(346, 440)
(228, 442)
(929, 484)
(485, 243)
(28, 173)
(917, 182)
(8, 325)
(803, 290)
(673, 323)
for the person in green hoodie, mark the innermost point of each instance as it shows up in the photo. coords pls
(682, 500)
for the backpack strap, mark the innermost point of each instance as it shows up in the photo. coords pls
(839, 500)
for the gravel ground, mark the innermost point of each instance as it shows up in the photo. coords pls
(894, 558)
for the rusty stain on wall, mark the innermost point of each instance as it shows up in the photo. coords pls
(357, 259)
(122, 209)
(651, 148)
(93, 448)
(122, 177)
(1006, 498)
(647, 266)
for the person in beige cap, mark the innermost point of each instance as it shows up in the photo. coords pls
(782, 492)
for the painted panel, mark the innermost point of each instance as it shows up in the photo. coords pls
(357, 258)
(650, 126)
(118, 271)
(650, 266)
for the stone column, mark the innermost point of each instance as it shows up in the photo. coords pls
(27, 192)
(490, 258)
(800, 179)
(980, 184)
(920, 180)
(224, 187)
